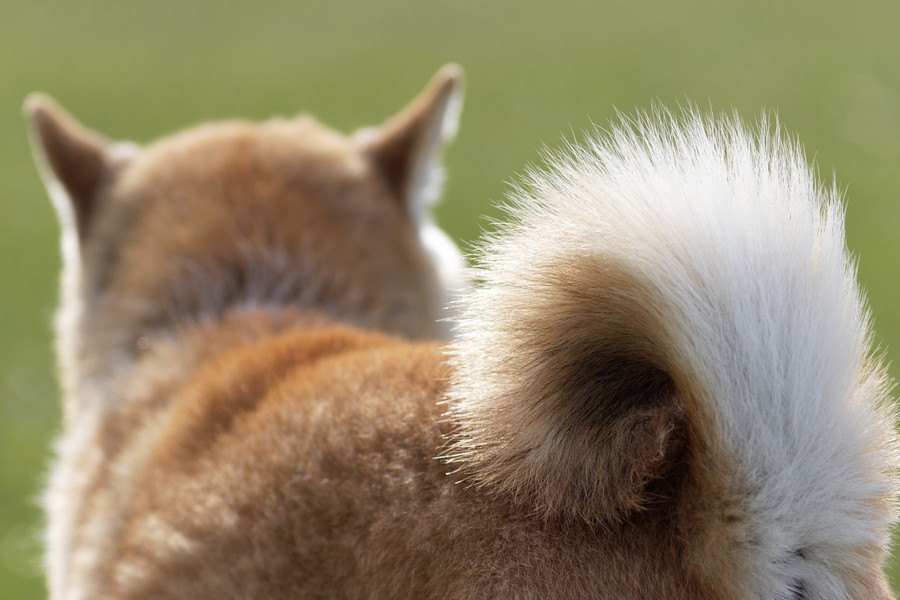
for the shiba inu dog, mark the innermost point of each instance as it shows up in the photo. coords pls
(660, 386)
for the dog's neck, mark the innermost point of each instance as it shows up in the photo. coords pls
(106, 368)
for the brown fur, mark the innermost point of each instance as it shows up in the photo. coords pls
(626, 441)
(301, 464)
(248, 418)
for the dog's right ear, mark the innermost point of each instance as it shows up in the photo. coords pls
(73, 160)
(406, 149)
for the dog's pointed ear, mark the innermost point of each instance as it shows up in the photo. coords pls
(73, 160)
(406, 150)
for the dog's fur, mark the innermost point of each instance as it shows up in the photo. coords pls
(661, 386)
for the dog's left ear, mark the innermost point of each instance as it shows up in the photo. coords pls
(74, 161)
(407, 148)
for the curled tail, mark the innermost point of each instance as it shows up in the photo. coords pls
(675, 301)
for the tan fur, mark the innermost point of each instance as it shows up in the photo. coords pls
(301, 465)
(246, 416)
(547, 410)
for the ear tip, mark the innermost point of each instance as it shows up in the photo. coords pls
(451, 76)
(36, 103)
(39, 108)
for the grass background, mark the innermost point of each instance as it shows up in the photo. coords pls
(139, 69)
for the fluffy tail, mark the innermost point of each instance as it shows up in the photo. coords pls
(677, 297)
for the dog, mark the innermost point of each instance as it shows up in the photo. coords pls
(660, 382)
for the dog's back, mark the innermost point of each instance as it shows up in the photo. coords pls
(660, 388)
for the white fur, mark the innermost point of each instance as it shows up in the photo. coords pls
(747, 256)
(426, 179)
(77, 463)
(450, 268)
(425, 186)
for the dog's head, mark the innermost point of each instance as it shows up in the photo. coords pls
(282, 212)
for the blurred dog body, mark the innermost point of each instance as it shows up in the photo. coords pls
(661, 387)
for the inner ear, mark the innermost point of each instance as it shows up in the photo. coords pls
(406, 150)
(69, 156)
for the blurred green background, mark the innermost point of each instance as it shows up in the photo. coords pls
(536, 71)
